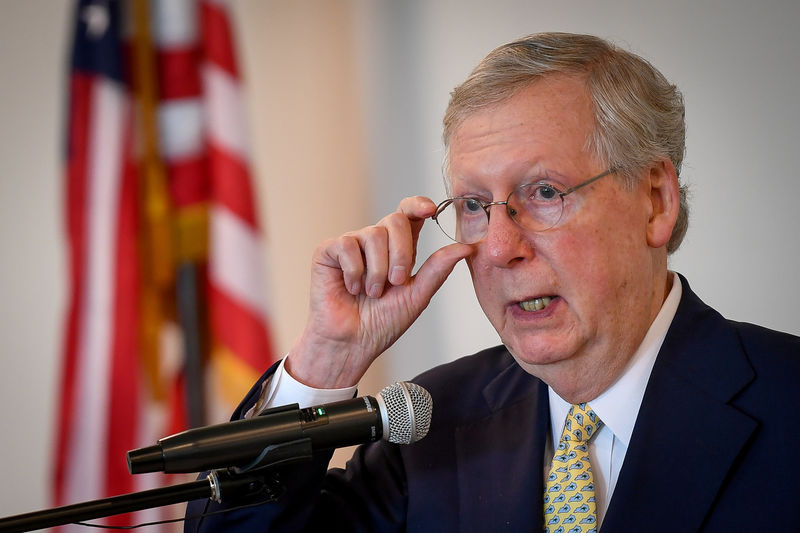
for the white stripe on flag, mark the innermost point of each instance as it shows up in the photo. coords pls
(225, 119)
(181, 128)
(235, 261)
(88, 435)
(174, 23)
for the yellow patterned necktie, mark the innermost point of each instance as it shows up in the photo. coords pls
(569, 504)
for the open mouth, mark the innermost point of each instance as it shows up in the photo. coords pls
(536, 304)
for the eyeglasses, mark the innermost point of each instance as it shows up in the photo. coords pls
(534, 207)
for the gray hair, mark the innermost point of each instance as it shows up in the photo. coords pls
(639, 115)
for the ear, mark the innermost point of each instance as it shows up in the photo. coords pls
(664, 202)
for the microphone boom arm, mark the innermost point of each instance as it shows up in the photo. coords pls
(218, 484)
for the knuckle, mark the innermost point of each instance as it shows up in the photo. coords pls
(375, 234)
(396, 221)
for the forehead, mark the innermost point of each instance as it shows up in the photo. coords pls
(545, 125)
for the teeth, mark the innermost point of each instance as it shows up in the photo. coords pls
(537, 304)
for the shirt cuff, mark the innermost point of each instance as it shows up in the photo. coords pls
(282, 389)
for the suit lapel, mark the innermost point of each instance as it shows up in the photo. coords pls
(510, 439)
(686, 436)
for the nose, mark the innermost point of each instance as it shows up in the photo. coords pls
(505, 244)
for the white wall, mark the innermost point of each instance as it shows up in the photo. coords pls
(736, 62)
(32, 251)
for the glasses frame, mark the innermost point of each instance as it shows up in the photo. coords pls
(511, 211)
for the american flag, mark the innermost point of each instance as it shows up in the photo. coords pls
(167, 324)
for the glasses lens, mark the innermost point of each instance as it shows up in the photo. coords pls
(536, 206)
(463, 220)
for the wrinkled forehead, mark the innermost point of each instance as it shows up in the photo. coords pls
(549, 122)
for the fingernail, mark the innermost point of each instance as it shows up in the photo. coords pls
(398, 275)
(375, 290)
(355, 288)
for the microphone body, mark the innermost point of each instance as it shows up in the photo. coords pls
(400, 413)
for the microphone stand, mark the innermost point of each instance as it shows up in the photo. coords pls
(227, 484)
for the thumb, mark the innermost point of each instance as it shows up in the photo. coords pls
(436, 269)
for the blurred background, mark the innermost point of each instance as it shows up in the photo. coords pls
(344, 103)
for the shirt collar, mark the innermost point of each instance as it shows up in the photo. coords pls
(618, 406)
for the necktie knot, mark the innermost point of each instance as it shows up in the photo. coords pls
(581, 424)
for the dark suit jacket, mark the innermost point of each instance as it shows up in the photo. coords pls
(713, 448)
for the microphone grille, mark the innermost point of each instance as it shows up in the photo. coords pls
(408, 410)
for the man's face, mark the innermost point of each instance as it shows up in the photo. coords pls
(604, 283)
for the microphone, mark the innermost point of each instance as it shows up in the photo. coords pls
(401, 413)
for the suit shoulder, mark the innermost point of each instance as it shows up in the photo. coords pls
(767, 348)
(762, 335)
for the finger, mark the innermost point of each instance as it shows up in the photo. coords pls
(417, 209)
(346, 254)
(375, 242)
(433, 273)
(400, 247)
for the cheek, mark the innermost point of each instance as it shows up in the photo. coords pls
(587, 264)
(482, 283)
(479, 274)
(605, 268)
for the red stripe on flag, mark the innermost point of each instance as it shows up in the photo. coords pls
(240, 329)
(80, 99)
(188, 181)
(231, 185)
(176, 404)
(125, 401)
(217, 38)
(178, 73)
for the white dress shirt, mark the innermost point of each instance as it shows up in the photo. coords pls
(617, 407)
(282, 389)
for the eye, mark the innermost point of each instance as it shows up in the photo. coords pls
(467, 206)
(472, 206)
(535, 196)
(543, 192)
(537, 193)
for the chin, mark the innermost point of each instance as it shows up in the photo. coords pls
(531, 355)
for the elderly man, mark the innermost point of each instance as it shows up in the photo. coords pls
(618, 400)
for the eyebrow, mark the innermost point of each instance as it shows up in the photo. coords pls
(552, 177)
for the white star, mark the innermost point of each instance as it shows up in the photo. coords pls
(96, 17)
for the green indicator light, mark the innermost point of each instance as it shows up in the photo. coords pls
(320, 411)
